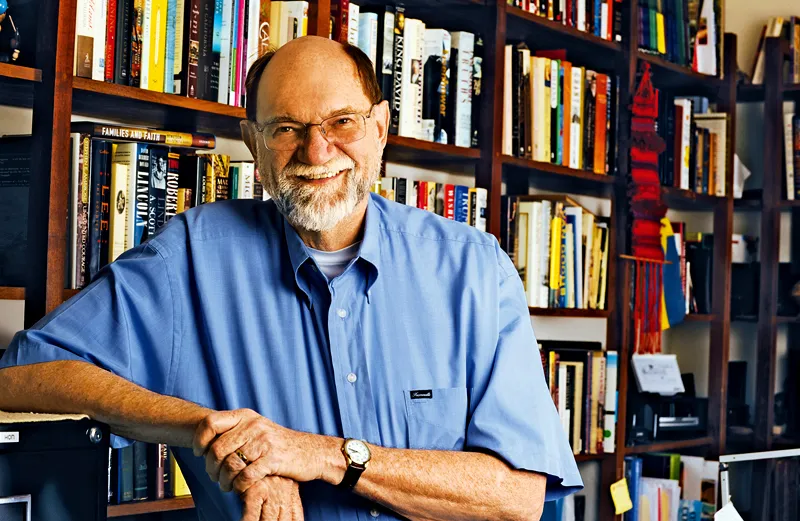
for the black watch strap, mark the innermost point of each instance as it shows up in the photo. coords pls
(351, 476)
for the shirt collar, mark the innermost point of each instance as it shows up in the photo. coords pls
(369, 250)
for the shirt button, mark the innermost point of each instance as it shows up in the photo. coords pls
(352, 378)
(374, 512)
(341, 312)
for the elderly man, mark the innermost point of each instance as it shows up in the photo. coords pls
(327, 355)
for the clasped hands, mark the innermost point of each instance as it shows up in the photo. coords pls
(277, 460)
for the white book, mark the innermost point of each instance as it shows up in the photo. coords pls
(588, 239)
(246, 180)
(610, 413)
(147, 22)
(576, 117)
(686, 141)
(353, 21)
(253, 14)
(581, 8)
(412, 79)
(99, 47)
(604, 21)
(577, 242)
(120, 207)
(177, 66)
(525, 65)
(544, 255)
(84, 31)
(522, 251)
(533, 272)
(563, 413)
(706, 48)
(508, 117)
(481, 200)
(226, 46)
(788, 155)
(294, 20)
(463, 46)
(127, 154)
(368, 35)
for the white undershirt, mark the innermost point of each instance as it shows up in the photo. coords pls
(333, 263)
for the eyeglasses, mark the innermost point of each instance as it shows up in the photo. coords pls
(337, 130)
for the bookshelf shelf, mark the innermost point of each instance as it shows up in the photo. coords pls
(584, 48)
(548, 176)
(569, 312)
(18, 72)
(671, 445)
(419, 152)
(678, 199)
(788, 205)
(749, 93)
(747, 205)
(581, 458)
(788, 320)
(136, 106)
(8, 293)
(699, 317)
(149, 507)
(679, 79)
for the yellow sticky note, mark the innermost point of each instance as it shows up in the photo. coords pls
(621, 496)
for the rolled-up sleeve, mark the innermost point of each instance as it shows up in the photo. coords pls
(513, 414)
(124, 322)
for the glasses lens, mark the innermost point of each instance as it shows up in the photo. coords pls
(344, 128)
(283, 136)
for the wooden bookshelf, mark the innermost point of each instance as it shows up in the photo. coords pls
(679, 79)
(7, 293)
(425, 153)
(150, 507)
(17, 72)
(699, 317)
(678, 199)
(667, 446)
(582, 458)
(787, 320)
(569, 313)
(559, 178)
(134, 106)
(750, 93)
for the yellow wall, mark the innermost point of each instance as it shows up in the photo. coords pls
(746, 18)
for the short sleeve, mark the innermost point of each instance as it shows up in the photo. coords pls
(514, 416)
(124, 322)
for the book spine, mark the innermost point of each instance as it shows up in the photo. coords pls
(397, 68)
(84, 189)
(601, 106)
(147, 44)
(436, 60)
(139, 471)
(158, 46)
(227, 58)
(204, 49)
(465, 42)
(796, 155)
(352, 24)
(461, 203)
(477, 76)
(122, 42)
(144, 135)
(386, 51)
(99, 28)
(99, 215)
(340, 9)
(137, 23)
(213, 92)
(180, 65)
(119, 210)
(169, 53)
(111, 41)
(125, 491)
(450, 202)
(173, 172)
(140, 233)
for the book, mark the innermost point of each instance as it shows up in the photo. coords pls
(459, 112)
(145, 135)
(15, 175)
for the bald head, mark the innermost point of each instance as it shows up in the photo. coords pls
(306, 68)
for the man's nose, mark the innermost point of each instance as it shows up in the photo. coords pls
(316, 150)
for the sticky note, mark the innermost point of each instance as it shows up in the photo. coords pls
(621, 496)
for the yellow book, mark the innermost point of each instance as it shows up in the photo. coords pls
(662, 40)
(158, 45)
(555, 251)
(179, 486)
(181, 200)
(119, 211)
(276, 38)
(211, 181)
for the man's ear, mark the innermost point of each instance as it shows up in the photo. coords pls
(249, 137)
(382, 114)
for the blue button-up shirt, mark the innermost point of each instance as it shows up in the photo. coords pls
(226, 308)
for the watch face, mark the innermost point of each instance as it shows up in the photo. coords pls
(358, 451)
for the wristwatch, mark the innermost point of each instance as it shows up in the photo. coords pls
(357, 455)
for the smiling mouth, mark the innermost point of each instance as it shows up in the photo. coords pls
(322, 177)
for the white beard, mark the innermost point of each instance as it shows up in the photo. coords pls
(321, 208)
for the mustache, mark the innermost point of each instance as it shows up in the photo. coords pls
(298, 169)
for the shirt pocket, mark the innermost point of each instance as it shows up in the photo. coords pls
(436, 418)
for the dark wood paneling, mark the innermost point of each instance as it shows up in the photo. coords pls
(49, 182)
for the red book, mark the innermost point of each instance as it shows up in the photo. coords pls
(339, 12)
(422, 195)
(450, 202)
(601, 102)
(111, 36)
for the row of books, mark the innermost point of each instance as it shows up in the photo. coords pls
(456, 202)
(685, 32)
(196, 48)
(559, 248)
(696, 152)
(126, 183)
(695, 251)
(671, 487)
(791, 147)
(786, 28)
(144, 471)
(555, 112)
(582, 380)
(431, 77)
(602, 18)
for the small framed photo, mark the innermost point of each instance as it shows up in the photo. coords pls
(15, 508)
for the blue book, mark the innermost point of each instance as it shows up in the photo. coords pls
(142, 196)
(462, 203)
(169, 61)
(633, 473)
(553, 510)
